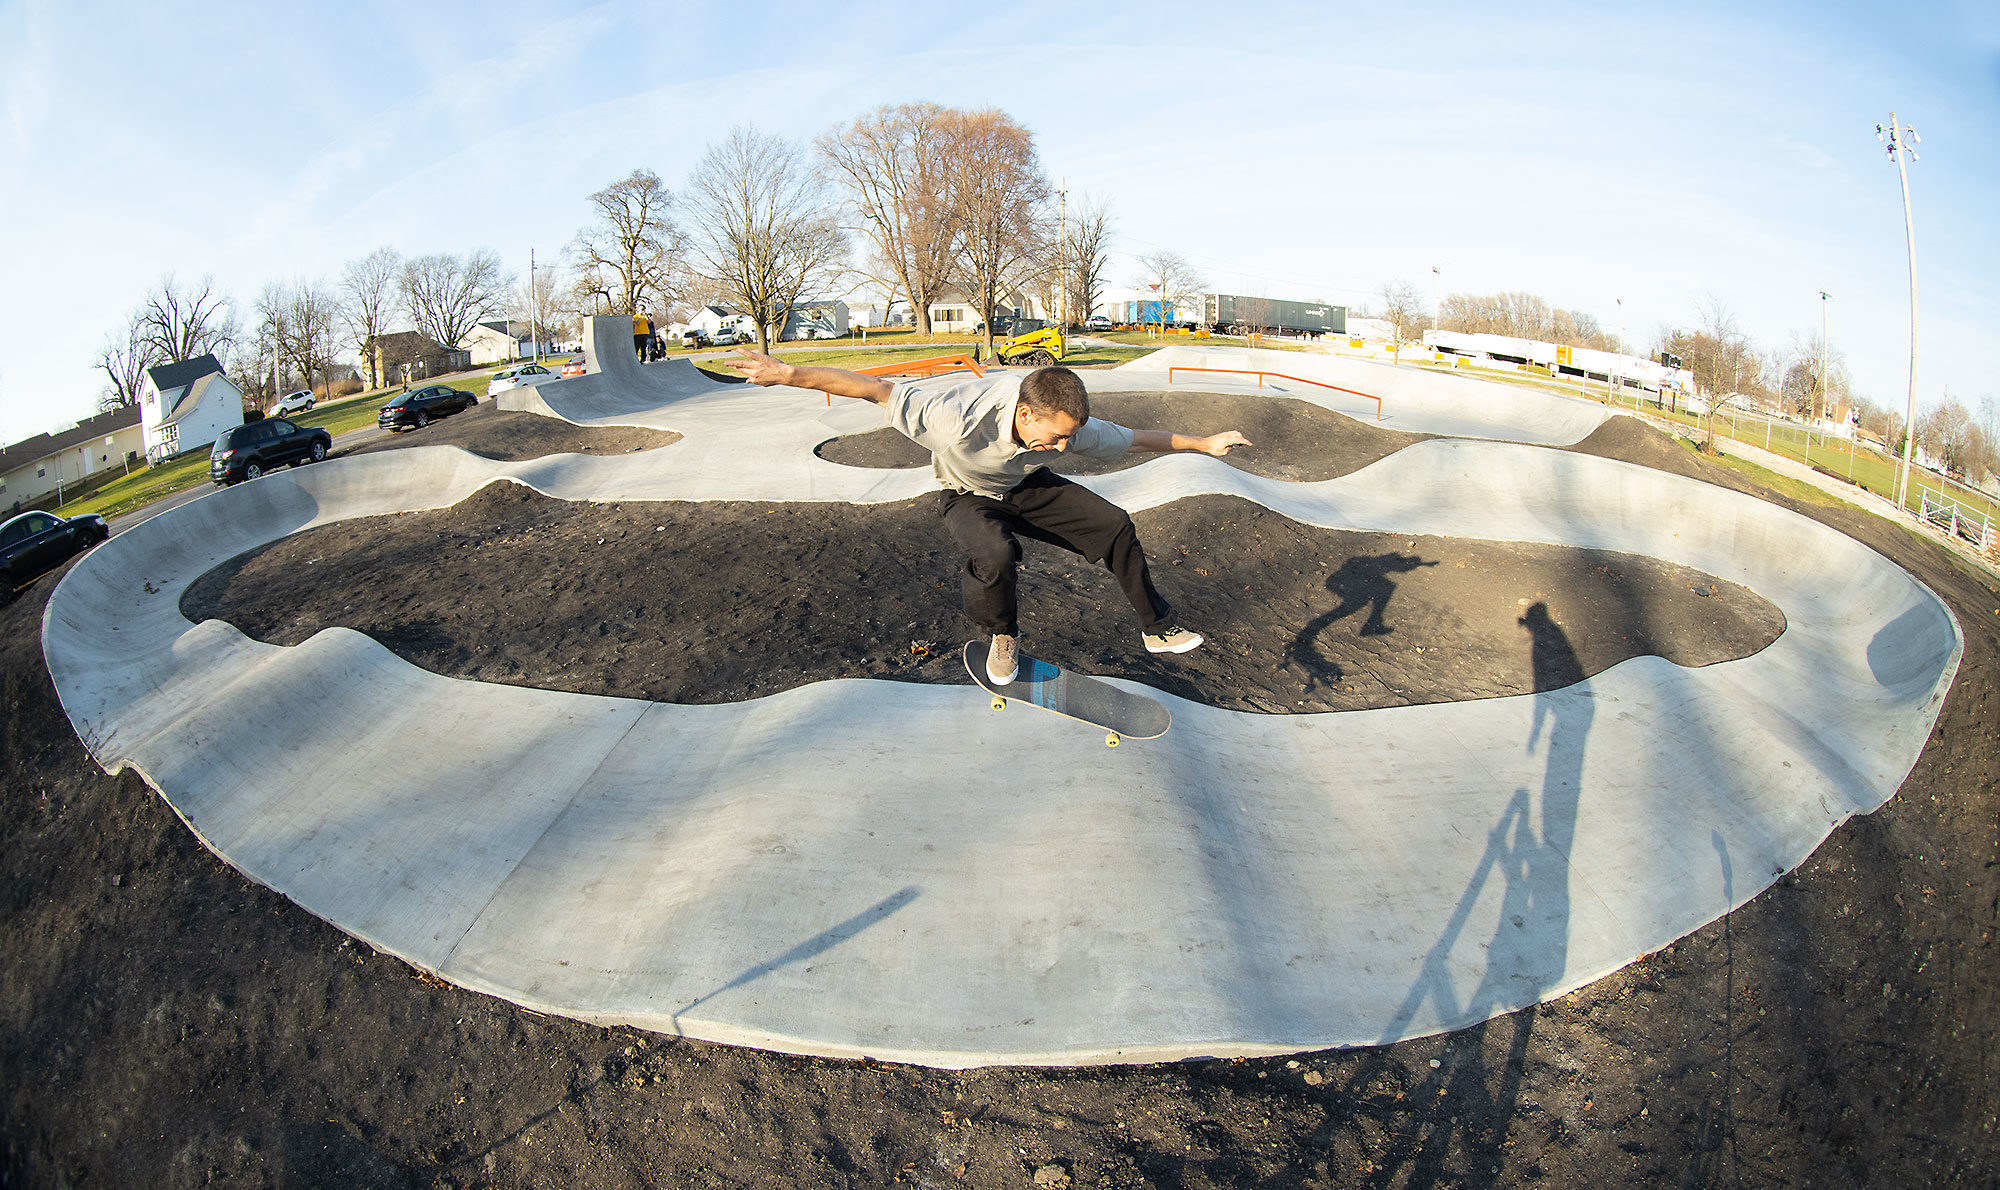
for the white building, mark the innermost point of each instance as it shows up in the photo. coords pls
(34, 471)
(499, 342)
(186, 406)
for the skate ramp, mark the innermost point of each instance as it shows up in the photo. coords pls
(1413, 400)
(615, 389)
(865, 867)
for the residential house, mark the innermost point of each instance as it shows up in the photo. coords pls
(500, 342)
(710, 320)
(820, 318)
(185, 406)
(952, 312)
(406, 356)
(34, 471)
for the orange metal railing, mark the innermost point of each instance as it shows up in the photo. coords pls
(1281, 376)
(936, 365)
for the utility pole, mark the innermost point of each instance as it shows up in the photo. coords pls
(534, 306)
(1825, 394)
(1898, 138)
(1062, 262)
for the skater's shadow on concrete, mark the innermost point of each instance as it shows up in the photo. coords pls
(1474, 1090)
(1361, 583)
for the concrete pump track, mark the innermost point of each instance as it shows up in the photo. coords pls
(884, 869)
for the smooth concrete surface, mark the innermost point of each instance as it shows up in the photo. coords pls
(864, 867)
(1412, 400)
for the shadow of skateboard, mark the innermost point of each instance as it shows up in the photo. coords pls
(1087, 700)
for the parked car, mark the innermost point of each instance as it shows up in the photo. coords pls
(574, 367)
(1097, 322)
(297, 402)
(34, 543)
(247, 451)
(421, 406)
(520, 377)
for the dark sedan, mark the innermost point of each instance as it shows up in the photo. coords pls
(35, 543)
(247, 451)
(421, 406)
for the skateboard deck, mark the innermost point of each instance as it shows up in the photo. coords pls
(1121, 714)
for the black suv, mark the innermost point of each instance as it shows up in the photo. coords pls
(420, 407)
(35, 543)
(255, 447)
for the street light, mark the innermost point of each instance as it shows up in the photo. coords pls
(1898, 138)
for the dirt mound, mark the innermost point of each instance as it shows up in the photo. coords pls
(512, 436)
(1292, 439)
(715, 601)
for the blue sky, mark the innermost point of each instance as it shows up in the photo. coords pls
(1662, 155)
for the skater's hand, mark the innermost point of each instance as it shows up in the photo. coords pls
(761, 369)
(1221, 444)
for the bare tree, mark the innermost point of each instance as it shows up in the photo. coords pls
(124, 359)
(1087, 255)
(1524, 316)
(300, 319)
(1403, 309)
(447, 296)
(1002, 198)
(1948, 434)
(897, 167)
(179, 322)
(1171, 279)
(541, 303)
(762, 225)
(368, 290)
(630, 251)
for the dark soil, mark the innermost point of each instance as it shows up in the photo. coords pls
(681, 602)
(1291, 439)
(490, 432)
(163, 1022)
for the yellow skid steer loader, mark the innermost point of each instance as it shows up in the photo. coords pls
(1036, 348)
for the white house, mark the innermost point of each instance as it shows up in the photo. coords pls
(35, 470)
(953, 313)
(819, 318)
(499, 342)
(186, 406)
(711, 319)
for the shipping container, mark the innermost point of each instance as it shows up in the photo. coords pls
(1235, 314)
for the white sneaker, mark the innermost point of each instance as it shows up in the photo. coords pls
(1172, 639)
(1002, 660)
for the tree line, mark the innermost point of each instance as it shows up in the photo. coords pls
(942, 199)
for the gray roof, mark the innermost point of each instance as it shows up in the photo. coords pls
(167, 377)
(41, 446)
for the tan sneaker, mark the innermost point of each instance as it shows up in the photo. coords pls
(1172, 639)
(1002, 660)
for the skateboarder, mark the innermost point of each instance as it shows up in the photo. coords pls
(984, 435)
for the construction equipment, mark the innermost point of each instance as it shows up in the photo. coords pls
(1037, 348)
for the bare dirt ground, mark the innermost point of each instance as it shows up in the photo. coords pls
(163, 1022)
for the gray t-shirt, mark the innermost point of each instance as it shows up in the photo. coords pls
(967, 423)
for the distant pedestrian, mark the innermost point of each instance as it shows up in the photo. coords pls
(642, 333)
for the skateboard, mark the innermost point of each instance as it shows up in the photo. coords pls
(1086, 700)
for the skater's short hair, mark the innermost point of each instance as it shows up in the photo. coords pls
(1054, 390)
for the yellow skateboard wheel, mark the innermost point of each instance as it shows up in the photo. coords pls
(1111, 741)
(999, 703)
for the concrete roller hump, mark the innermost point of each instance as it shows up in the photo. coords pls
(1410, 399)
(866, 867)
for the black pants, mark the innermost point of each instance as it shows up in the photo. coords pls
(1046, 507)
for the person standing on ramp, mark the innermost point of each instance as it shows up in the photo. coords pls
(984, 434)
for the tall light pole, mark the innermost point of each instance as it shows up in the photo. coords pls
(1898, 138)
(1824, 397)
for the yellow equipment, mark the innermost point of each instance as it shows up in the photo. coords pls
(1036, 348)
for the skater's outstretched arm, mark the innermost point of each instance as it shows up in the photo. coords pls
(1165, 440)
(838, 382)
